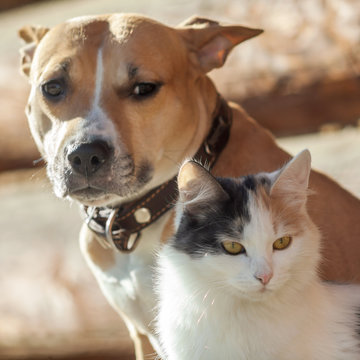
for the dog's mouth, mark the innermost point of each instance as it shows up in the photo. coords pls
(88, 192)
(104, 189)
(91, 195)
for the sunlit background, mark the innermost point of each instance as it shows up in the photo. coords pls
(300, 79)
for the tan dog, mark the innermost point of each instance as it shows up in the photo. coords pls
(116, 103)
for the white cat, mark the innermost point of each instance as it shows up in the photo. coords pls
(239, 279)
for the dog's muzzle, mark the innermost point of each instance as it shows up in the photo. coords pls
(96, 171)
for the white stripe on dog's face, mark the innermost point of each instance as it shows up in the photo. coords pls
(96, 113)
(97, 122)
(99, 77)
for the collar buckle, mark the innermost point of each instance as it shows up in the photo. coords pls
(91, 214)
(120, 239)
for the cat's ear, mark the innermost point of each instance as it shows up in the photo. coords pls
(293, 179)
(198, 189)
(209, 42)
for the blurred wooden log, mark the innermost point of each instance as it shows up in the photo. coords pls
(10, 4)
(309, 109)
(81, 356)
(17, 148)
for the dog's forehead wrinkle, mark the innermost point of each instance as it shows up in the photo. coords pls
(54, 69)
(123, 25)
(132, 70)
(65, 64)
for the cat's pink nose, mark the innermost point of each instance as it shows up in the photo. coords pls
(265, 277)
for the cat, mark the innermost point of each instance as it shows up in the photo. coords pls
(239, 278)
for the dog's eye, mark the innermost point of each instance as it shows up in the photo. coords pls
(53, 89)
(142, 90)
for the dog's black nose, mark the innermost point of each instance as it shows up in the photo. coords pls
(89, 157)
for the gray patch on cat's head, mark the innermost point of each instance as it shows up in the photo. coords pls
(201, 229)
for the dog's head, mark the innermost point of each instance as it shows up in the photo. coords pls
(118, 101)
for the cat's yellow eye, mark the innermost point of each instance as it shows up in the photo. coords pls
(233, 247)
(282, 243)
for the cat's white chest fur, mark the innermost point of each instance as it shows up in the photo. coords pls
(201, 324)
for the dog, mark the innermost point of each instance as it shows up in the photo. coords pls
(116, 103)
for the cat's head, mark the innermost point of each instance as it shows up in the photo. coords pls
(252, 234)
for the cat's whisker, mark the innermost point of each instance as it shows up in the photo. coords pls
(152, 356)
(205, 296)
(201, 316)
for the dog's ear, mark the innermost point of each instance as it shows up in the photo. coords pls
(210, 42)
(32, 36)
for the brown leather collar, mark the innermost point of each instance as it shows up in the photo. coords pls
(120, 227)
